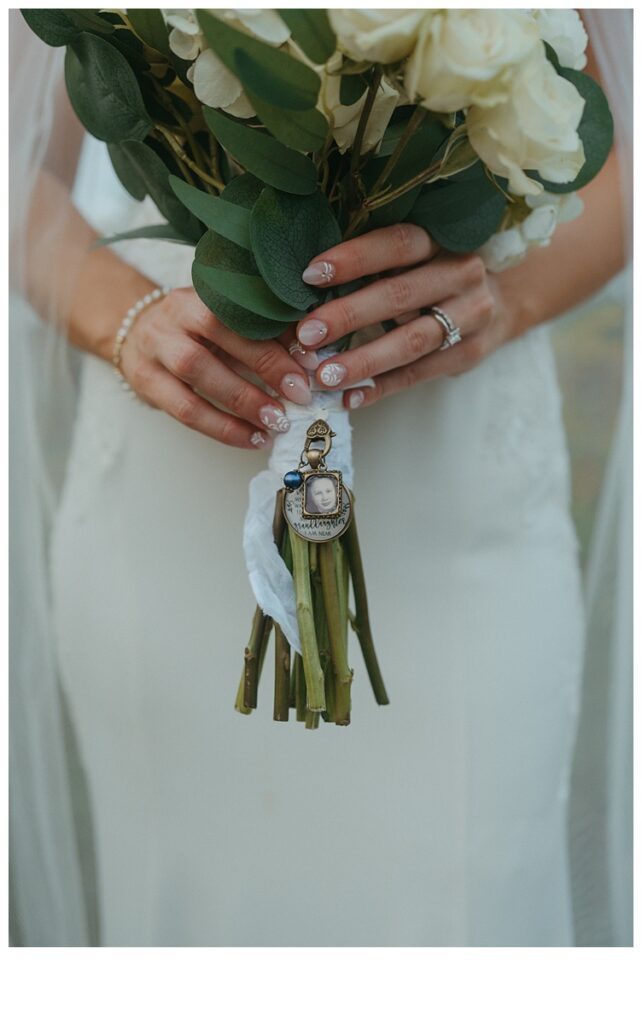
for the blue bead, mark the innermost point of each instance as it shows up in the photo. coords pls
(293, 480)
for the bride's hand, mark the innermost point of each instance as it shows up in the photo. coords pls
(177, 347)
(410, 353)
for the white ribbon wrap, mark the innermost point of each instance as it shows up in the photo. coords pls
(269, 577)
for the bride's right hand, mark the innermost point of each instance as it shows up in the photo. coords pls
(177, 347)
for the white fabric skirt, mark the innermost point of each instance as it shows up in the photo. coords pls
(439, 820)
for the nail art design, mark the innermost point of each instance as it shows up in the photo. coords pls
(296, 389)
(274, 419)
(332, 374)
(312, 331)
(319, 273)
(356, 399)
(258, 439)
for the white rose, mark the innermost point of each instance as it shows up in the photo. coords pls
(381, 36)
(535, 129)
(468, 56)
(214, 84)
(568, 205)
(344, 120)
(562, 28)
(503, 250)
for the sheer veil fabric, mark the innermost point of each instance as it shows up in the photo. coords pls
(52, 897)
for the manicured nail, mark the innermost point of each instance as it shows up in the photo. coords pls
(318, 273)
(309, 359)
(312, 332)
(258, 439)
(332, 374)
(274, 419)
(356, 399)
(296, 388)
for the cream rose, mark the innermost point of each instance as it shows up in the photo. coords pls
(468, 56)
(213, 83)
(535, 129)
(563, 29)
(344, 119)
(381, 36)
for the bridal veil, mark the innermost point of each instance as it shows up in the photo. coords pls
(50, 847)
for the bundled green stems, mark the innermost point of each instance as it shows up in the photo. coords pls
(317, 683)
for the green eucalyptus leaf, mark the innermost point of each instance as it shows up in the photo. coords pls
(302, 130)
(352, 88)
(103, 90)
(287, 233)
(127, 173)
(238, 319)
(214, 250)
(158, 232)
(149, 25)
(268, 159)
(250, 292)
(595, 131)
(243, 190)
(228, 219)
(152, 171)
(54, 27)
(393, 212)
(89, 21)
(282, 80)
(460, 214)
(312, 31)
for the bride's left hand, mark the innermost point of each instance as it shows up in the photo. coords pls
(409, 354)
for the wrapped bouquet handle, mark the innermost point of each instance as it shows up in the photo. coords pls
(315, 533)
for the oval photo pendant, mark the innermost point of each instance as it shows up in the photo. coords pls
(321, 508)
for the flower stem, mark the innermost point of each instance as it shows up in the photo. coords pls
(305, 619)
(362, 621)
(366, 110)
(413, 124)
(182, 156)
(342, 671)
(281, 676)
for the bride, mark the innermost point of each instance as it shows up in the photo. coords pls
(440, 820)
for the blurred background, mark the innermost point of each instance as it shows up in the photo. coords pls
(588, 347)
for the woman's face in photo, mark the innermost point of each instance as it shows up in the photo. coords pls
(322, 495)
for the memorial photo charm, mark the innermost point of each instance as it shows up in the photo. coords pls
(316, 503)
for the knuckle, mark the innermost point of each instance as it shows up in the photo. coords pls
(186, 410)
(365, 367)
(227, 432)
(267, 359)
(400, 294)
(347, 318)
(403, 238)
(485, 306)
(474, 269)
(417, 342)
(237, 396)
(187, 360)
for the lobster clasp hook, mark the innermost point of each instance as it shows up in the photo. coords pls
(319, 433)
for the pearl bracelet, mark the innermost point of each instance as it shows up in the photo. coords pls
(128, 322)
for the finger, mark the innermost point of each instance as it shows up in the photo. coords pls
(426, 285)
(403, 345)
(401, 245)
(269, 360)
(168, 393)
(450, 362)
(193, 364)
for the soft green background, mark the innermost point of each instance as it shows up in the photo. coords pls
(588, 346)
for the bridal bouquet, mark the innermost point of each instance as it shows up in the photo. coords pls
(265, 137)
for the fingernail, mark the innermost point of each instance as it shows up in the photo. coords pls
(274, 419)
(296, 389)
(356, 399)
(258, 439)
(318, 273)
(332, 374)
(308, 360)
(311, 332)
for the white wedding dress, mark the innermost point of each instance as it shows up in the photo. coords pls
(439, 820)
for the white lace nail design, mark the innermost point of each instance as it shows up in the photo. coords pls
(332, 374)
(258, 439)
(274, 419)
